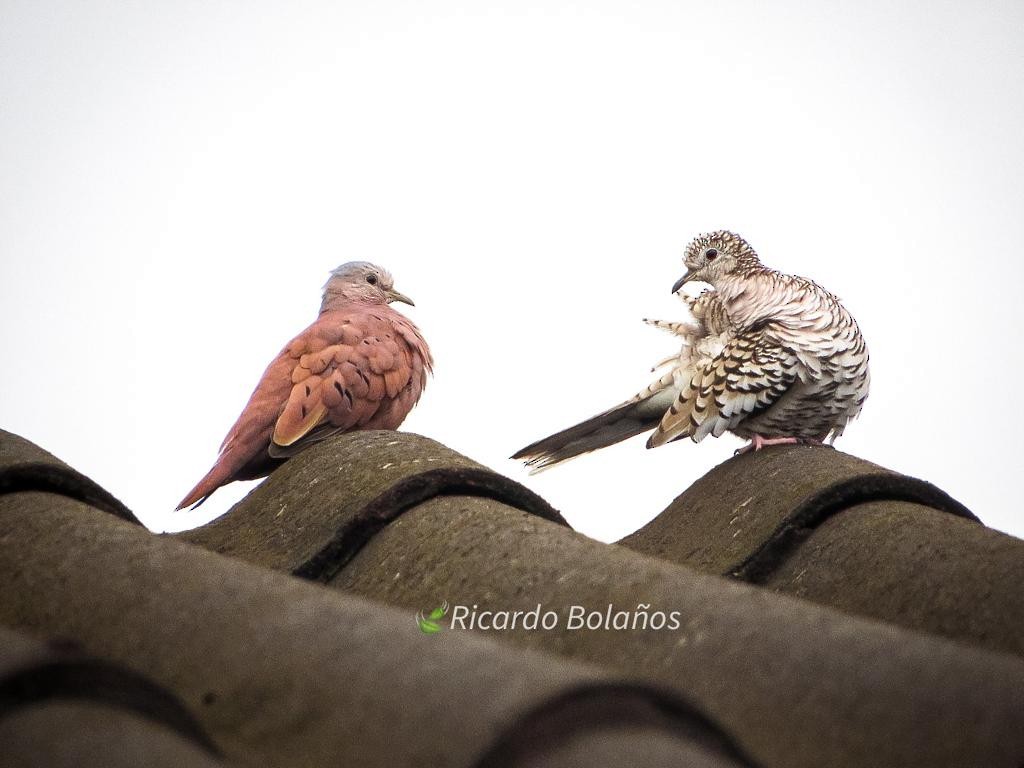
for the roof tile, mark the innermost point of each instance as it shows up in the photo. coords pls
(287, 673)
(59, 707)
(24, 466)
(378, 476)
(746, 513)
(828, 527)
(797, 684)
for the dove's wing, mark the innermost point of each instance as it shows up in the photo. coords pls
(751, 373)
(355, 368)
(639, 414)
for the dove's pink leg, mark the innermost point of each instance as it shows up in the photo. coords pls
(758, 442)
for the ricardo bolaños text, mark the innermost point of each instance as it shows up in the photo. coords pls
(575, 617)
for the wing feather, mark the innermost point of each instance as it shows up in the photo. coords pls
(346, 375)
(752, 371)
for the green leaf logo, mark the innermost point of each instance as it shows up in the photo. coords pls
(429, 624)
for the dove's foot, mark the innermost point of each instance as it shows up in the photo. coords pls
(758, 442)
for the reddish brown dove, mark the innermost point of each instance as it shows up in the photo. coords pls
(360, 365)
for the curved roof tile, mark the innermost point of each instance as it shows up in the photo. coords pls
(746, 514)
(832, 528)
(59, 707)
(287, 673)
(406, 521)
(24, 466)
(335, 500)
(797, 684)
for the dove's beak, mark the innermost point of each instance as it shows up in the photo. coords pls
(394, 295)
(683, 280)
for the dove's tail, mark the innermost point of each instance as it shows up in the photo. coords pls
(243, 457)
(221, 474)
(613, 426)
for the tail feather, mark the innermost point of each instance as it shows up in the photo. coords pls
(214, 479)
(613, 426)
(235, 462)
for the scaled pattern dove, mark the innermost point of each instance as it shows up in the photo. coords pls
(360, 365)
(772, 358)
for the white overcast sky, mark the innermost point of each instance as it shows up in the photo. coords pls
(177, 179)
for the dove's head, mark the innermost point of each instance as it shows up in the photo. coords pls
(361, 281)
(709, 258)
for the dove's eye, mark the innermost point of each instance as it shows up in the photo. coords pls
(710, 254)
(371, 279)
